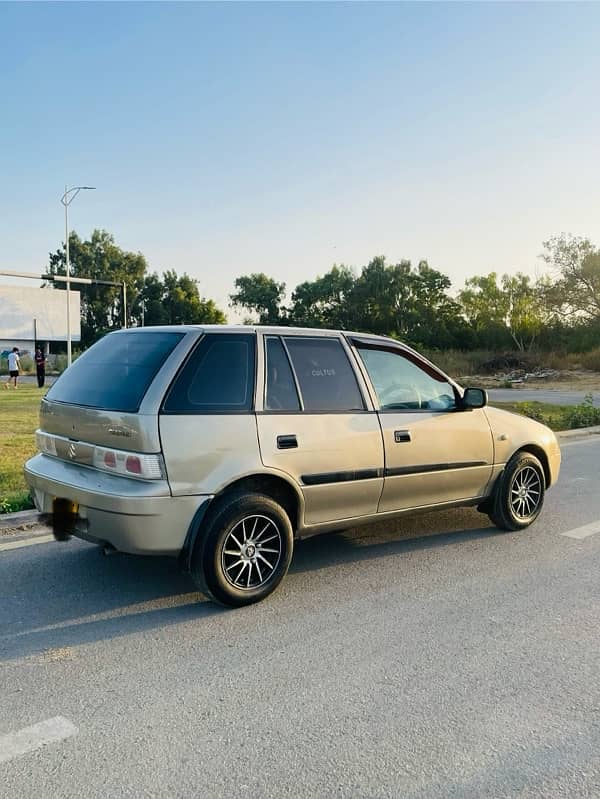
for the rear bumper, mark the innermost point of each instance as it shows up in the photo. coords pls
(134, 516)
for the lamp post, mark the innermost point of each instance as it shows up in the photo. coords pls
(66, 200)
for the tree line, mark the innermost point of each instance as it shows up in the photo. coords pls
(152, 299)
(559, 310)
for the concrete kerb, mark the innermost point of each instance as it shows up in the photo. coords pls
(24, 522)
(581, 432)
(29, 521)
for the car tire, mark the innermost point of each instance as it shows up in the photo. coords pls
(519, 495)
(245, 550)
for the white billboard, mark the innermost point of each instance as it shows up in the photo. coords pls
(27, 314)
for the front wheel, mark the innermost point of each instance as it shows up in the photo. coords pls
(245, 551)
(520, 493)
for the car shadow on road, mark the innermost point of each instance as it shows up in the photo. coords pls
(51, 600)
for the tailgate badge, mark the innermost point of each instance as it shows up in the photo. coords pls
(119, 431)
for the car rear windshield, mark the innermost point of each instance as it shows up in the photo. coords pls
(115, 373)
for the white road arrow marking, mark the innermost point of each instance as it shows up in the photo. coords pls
(34, 737)
(583, 532)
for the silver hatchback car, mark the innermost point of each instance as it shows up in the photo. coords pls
(221, 445)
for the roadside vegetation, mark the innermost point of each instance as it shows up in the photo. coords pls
(19, 413)
(548, 316)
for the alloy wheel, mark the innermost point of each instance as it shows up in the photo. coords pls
(525, 492)
(251, 552)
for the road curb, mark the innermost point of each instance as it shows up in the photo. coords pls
(581, 432)
(24, 520)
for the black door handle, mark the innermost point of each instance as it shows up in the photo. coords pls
(400, 436)
(287, 442)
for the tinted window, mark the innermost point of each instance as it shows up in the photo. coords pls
(218, 377)
(115, 373)
(401, 384)
(327, 381)
(280, 393)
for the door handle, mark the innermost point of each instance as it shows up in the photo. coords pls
(401, 436)
(287, 442)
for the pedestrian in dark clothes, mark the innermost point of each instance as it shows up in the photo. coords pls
(40, 366)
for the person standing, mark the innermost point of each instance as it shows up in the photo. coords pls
(13, 366)
(40, 366)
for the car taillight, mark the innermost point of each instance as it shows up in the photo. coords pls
(129, 464)
(133, 465)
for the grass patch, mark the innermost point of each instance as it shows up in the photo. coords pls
(19, 413)
(544, 412)
(557, 417)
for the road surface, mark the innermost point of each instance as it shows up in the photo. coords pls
(432, 658)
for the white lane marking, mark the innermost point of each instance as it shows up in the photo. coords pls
(26, 542)
(36, 736)
(583, 532)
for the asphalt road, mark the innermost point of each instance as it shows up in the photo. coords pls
(431, 658)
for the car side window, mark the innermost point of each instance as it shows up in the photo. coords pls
(218, 377)
(326, 378)
(402, 384)
(280, 388)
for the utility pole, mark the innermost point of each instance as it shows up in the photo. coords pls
(66, 200)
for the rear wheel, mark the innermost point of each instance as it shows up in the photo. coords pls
(520, 493)
(245, 551)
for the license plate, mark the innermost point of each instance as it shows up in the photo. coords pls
(64, 506)
(64, 518)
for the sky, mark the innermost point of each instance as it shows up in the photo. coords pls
(230, 138)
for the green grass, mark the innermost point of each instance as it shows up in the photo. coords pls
(557, 417)
(18, 421)
(544, 412)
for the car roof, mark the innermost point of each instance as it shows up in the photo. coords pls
(278, 330)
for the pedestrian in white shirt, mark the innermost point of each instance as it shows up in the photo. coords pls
(13, 367)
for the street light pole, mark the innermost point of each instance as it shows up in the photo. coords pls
(66, 200)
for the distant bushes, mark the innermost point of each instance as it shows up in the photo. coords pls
(571, 417)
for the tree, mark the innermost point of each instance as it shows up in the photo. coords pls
(526, 315)
(436, 320)
(260, 295)
(576, 264)
(412, 304)
(100, 258)
(324, 301)
(485, 307)
(503, 310)
(175, 301)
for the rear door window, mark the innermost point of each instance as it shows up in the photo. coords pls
(325, 376)
(115, 373)
(280, 393)
(218, 377)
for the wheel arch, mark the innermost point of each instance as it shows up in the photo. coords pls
(271, 485)
(540, 454)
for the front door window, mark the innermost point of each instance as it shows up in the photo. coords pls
(402, 384)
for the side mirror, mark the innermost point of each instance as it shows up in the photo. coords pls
(474, 398)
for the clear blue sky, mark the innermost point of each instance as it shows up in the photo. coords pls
(231, 138)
